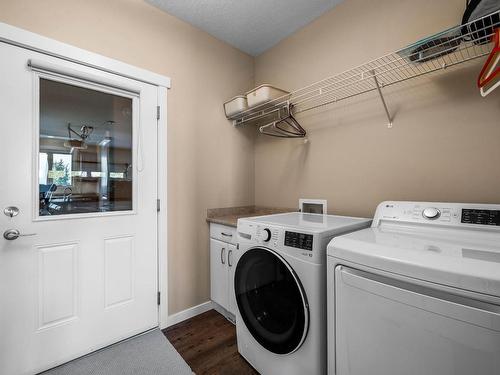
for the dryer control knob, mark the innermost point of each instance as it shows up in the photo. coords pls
(266, 235)
(431, 213)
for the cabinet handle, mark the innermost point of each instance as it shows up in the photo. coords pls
(226, 234)
(222, 255)
(230, 252)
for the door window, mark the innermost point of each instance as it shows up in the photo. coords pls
(271, 301)
(85, 153)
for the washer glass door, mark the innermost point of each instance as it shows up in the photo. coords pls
(271, 300)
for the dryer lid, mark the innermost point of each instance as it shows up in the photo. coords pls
(465, 259)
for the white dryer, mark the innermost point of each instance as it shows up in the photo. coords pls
(418, 293)
(280, 288)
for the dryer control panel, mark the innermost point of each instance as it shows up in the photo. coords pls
(480, 216)
(445, 214)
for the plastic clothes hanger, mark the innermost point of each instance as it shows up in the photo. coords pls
(285, 127)
(491, 69)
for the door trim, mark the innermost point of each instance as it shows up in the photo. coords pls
(38, 43)
(163, 213)
(28, 40)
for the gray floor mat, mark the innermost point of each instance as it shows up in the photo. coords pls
(148, 354)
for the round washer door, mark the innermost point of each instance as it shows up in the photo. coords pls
(271, 300)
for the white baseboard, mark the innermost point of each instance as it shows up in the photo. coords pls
(189, 313)
(224, 312)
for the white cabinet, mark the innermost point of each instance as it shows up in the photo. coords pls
(222, 264)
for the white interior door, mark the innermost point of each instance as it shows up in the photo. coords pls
(78, 161)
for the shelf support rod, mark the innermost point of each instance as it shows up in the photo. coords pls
(389, 124)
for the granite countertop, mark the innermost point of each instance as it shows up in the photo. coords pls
(230, 215)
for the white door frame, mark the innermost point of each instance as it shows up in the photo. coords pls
(26, 39)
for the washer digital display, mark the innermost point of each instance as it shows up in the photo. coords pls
(299, 240)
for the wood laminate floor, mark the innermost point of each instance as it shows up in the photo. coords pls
(207, 343)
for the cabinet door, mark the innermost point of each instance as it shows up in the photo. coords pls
(231, 265)
(218, 272)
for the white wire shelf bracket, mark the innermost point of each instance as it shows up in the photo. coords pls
(454, 46)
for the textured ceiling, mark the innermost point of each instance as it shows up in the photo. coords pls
(252, 26)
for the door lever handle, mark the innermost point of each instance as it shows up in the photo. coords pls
(14, 234)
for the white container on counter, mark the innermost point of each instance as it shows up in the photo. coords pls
(235, 105)
(262, 94)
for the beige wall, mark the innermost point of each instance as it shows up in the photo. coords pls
(210, 162)
(445, 142)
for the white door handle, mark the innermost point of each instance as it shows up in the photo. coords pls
(14, 234)
(222, 255)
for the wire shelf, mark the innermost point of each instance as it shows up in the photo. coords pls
(438, 52)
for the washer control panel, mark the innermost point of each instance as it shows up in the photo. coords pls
(294, 241)
(274, 237)
(299, 240)
(433, 213)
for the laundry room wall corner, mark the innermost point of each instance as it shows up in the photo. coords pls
(210, 163)
(444, 142)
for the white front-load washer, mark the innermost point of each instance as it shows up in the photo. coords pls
(418, 293)
(280, 290)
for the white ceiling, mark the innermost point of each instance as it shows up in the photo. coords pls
(252, 26)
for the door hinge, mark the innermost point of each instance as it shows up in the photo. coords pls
(159, 298)
(158, 205)
(158, 111)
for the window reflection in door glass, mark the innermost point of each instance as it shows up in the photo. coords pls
(85, 156)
